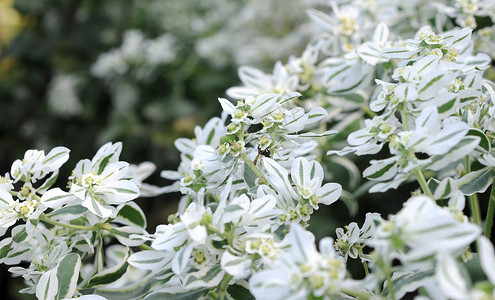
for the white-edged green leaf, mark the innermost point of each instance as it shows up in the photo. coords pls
(48, 182)
(5, 247)
(279, 177)
(150, 259)
(302, 243)
(129, 235)
(432, 83)
(381, 33)
(176, 293)
(71, 212)
(385, 186)
(476, 181)
(181, 259)
(313, 135)
(19, 234)
(237, 266)
(445, 188)
(370, 53)
(205, 277)
(405, 282)
(322, 19)
(381, 170)
(449, 277)
(484, 144)
(227, 106)
(464, 147)
(185, 145)
(487, 257)
(134, 290)
(399, 52)
(47, 286)
(56, 198)
(447, 138)
(56, 158)
(110, 275)
(253, 77)
(289, 97)
(263, 105)
(67, 275)
(131, 214)
(5, 198)
(316, 114)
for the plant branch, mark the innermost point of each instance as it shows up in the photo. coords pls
(490, 212)
(422, 182)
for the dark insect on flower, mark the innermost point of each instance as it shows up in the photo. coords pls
(265, 152)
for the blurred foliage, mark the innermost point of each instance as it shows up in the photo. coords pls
(65, 39)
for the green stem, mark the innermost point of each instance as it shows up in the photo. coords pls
(365, 265)
(474, 203)
(422, 182)
(405, 121)
(251, 165)
(145, 247)
(368, 111)
(222, 287)
(490, 212)
(44, 218)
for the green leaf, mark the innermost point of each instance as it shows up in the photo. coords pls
(76, 210)
(135, 290)
(473, 267)
(239, 292)
(109, 275)
(20, 236)
(104, 162)
(123, 234)
(48, 182)
(207, 276)
(133, 214)
(188, 295)
(67, 275)
(380, 171)
(484, 142)
(408, 281)
(47, 286)
(476, 182)
(4, 251)
(250, 177)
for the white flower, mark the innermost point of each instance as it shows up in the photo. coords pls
(301, 270)
(421, 230)
(36, 165)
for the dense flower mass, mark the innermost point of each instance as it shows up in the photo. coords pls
(404, 80)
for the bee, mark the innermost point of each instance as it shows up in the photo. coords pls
(265, 152)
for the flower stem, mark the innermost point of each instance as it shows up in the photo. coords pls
(44, 218)
(368, 111)
(405, 121)
(490, 212)
(145, 247)
(251, 165)
(222, 287)
(422, 182)
(474, 203)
